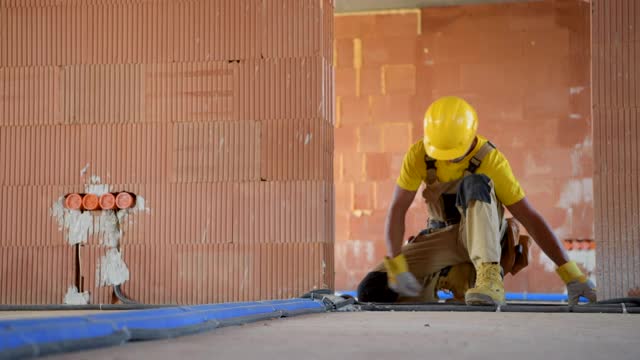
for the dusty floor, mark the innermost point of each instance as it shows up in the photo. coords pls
(4, 315)
(396, 335)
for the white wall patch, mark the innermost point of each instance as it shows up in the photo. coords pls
(79, 225)
(109, 228)
(112, 270)
(73, 297)
(575, 90)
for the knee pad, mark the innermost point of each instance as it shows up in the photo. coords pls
(374, 288)
(474, 187)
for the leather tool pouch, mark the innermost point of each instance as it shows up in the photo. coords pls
(515, 249)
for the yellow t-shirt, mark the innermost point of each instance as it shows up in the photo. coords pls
(494, 165)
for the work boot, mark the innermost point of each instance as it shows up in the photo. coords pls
(457, 279)
(489, 289)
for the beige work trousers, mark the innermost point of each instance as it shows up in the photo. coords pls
(476, 239)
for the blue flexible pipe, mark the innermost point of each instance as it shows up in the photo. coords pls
(510, 296)
(33, 337)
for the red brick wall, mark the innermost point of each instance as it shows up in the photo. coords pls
(212, 111)
(616, 111)
(525, 67)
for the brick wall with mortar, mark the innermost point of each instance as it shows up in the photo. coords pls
(218, 113)
(526, 69)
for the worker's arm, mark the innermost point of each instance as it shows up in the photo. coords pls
(538, 228)
(577, 283)
(400, 279)
(394, 227)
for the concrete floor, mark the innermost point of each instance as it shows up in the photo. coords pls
(5, 315)
(401, 335)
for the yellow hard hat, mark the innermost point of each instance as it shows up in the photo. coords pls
(450, 126)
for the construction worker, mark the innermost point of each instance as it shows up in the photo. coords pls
(467, 182)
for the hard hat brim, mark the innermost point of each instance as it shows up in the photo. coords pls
(449, 154)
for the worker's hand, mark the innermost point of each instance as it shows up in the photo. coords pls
(400, 279)
(577, 284)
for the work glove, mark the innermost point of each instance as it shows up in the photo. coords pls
(577, 284)
(400, 279)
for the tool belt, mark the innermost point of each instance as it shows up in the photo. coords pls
(515, 249)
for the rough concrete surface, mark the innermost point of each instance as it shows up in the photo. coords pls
(395, 335)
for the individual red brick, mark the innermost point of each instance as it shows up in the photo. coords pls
(348, 26)
(370, 138)
(368, 227)
(542, 73)
(554, 102)
(384, 192)
(354, 110)
(344, 53)
(346, 82)
(495, 79)
(483, 41)
(399, 79)
(371, 81)
(446, 77)
(396, 162)
(376, 226)
(391, 108)
(405, 24)
(485, 18)
(438, 19)
(358, 227)
(342, 225)
(503, 111)
(532, 16)
(446, 49)
(539, 44)
(388, 50)
(346, 137)
(363, 195)
(344, 196)
(424, 80)
(378, 166)
(353, 166)
(397, 137)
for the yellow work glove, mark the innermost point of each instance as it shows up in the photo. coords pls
(577, 284)
(400, 279)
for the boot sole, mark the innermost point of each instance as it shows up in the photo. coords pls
(481, 299)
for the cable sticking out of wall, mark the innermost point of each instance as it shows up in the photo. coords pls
(97, 211)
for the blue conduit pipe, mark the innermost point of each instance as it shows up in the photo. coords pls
(548, 297)
(24, 338)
